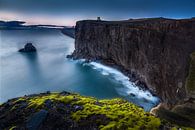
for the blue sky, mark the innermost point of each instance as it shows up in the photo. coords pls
(67, 12)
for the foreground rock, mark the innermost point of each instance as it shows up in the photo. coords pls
(36, 120)
(28, 48)
(74, 112)
(156, 52)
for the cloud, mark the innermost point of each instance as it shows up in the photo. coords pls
(109, 9)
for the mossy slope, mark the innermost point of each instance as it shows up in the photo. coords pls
(84, 112)
(74, 112)
(190, 83)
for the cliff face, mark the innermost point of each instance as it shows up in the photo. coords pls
(154, 51)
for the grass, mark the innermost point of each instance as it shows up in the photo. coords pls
(190, 83)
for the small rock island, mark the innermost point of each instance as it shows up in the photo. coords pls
(28, 48)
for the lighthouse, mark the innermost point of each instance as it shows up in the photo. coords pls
(98, 19)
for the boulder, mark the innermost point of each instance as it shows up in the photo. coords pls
(36, 120)
(28, 48)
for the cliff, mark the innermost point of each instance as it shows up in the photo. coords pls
(154, 53)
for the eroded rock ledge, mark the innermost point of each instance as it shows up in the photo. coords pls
(153, 51)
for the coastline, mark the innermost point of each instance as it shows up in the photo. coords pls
(150, 53)
(133, 89)
(132, 76)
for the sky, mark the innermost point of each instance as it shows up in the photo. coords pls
(67, 12)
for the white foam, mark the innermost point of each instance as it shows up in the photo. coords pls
(104, 73)
(128, 86)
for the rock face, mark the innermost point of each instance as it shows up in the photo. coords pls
(28, 48)
(155, 51)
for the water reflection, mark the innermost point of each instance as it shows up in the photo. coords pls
(33, 65)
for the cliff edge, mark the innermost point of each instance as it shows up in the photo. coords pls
(156, 52)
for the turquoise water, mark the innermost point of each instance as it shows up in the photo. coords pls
(49, 70)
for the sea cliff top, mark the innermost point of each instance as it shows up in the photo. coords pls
(139, 20)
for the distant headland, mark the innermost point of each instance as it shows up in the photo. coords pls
(20, 25)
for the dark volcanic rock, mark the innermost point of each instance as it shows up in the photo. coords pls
(36, 120)
(60, 111)
(156, 51)
(48, 103)
(28, 48)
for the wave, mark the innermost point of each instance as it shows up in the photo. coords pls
(128, 88)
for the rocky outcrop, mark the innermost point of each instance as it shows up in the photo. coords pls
(28, 48)
(153, 51)
(66, 111)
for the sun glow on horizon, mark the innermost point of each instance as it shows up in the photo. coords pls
(38, 19)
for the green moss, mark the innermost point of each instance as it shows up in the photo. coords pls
(186, 111)
(12, 128)
(190, 83)
(173, 128)
(17, 102)
(182, 128)
(111, 125)
(122, 114)
(21, 99)
(38, 102)
(90, 112)
(176, 118)
(107, 114)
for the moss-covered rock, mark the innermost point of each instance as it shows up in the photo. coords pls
(190, 82)
(181, 115)
(121, 114)
(78, 111)
(73, 111)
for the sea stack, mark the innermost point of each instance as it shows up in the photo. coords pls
(28, 48)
